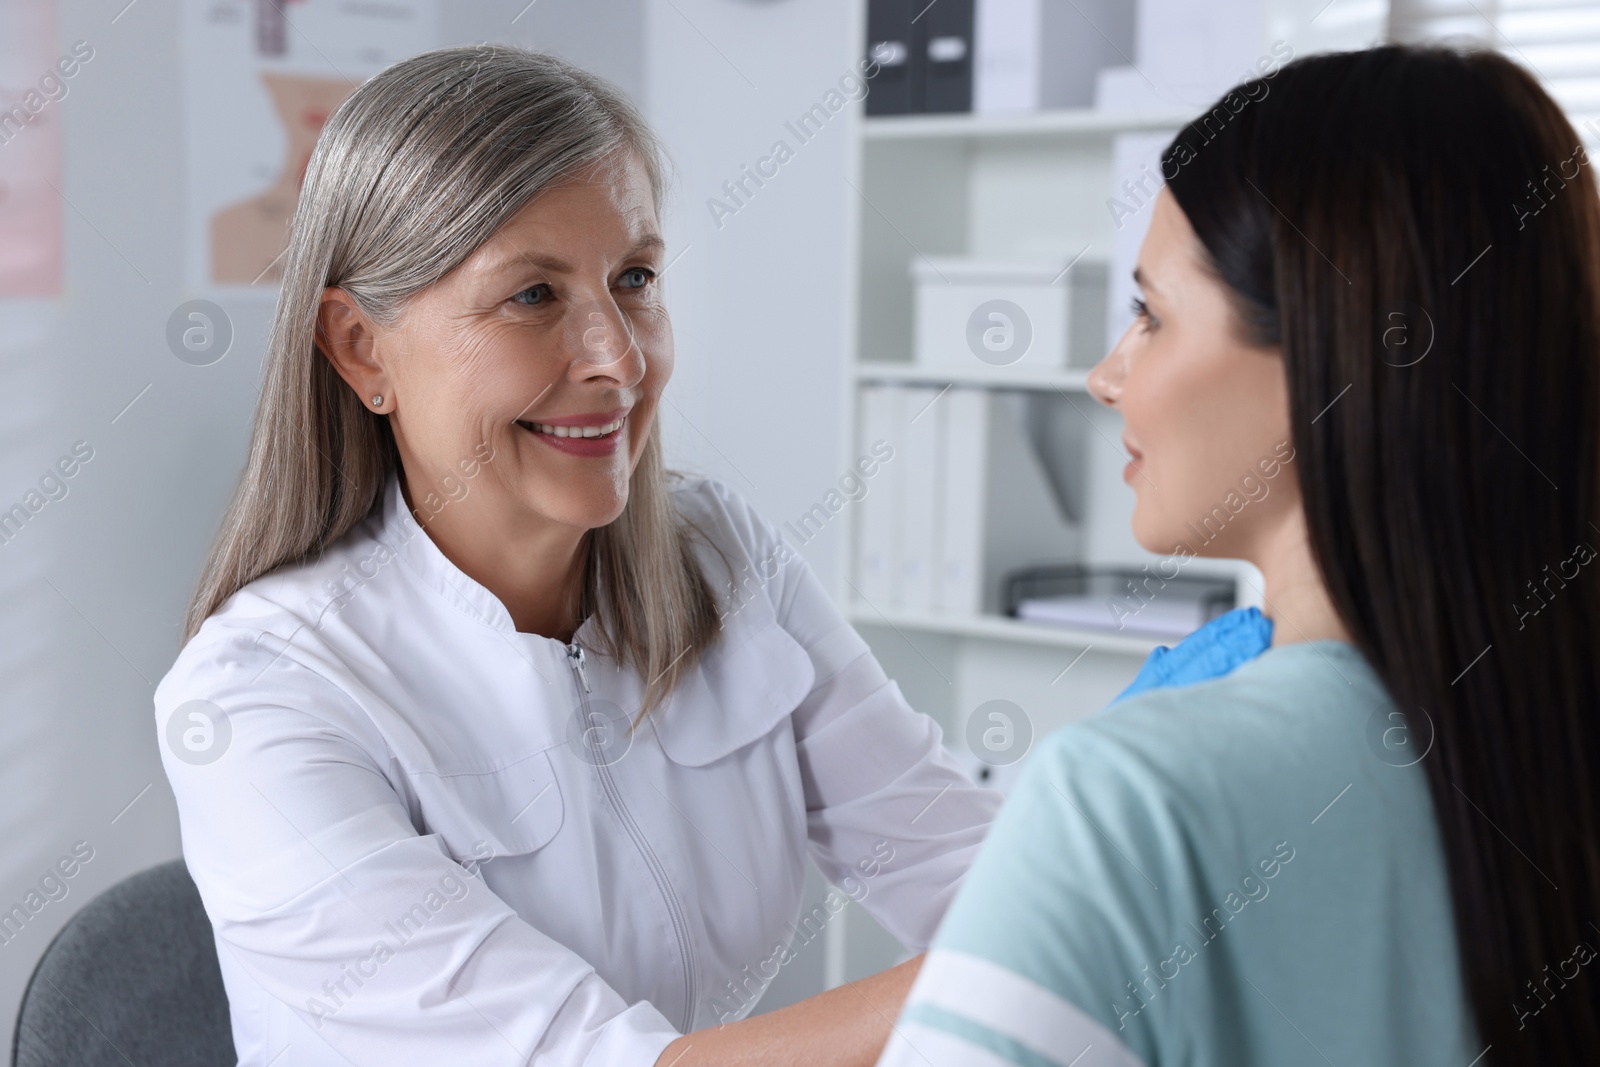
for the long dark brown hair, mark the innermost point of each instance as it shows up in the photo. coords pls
(1419, 229)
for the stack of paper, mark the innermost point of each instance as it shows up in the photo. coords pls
(1160, 617)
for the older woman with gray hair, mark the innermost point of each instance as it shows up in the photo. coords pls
(493, 740)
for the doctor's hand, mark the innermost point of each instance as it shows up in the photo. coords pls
(1212, 651)
(847, 1026)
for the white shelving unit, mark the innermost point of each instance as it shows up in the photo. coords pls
(1025, 187)
(1017, 187)
(1029, 186)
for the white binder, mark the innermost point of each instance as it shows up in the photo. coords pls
(963, 500)
(876, 574)
(919, 510)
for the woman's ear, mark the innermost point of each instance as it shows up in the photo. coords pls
(349, 341)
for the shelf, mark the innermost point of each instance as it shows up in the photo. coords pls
(1070, 124)
(1001, 628)
(1042, 379)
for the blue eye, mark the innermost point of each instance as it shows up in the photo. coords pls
(646, 272)
(533, 289)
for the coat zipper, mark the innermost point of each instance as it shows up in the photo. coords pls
(680, 925)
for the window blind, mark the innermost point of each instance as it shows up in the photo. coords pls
(1558, 40)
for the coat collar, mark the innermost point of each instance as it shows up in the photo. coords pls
(404, 535)
(754, 674)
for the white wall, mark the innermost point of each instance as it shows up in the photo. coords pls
(758, 302)
(95, 585)
(96, 581)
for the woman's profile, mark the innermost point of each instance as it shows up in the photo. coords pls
(1378, 842)
(494, 741)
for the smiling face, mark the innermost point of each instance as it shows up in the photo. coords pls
(544, 352)
(1206, 414)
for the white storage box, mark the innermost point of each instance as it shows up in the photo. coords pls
(971, 312)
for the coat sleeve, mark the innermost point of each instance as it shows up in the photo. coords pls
(318, 886)
(893, 819)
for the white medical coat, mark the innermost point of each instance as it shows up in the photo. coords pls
(423, 837)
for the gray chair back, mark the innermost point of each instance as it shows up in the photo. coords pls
(132, 978)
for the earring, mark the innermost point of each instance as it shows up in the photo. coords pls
(377, 401)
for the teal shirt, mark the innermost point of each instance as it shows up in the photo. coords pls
(1234, 872)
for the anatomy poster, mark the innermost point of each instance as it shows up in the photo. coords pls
(32, 88)
(263, 77)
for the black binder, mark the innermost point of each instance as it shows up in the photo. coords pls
(945, 31)
(889, 45)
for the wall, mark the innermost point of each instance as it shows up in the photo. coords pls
(758, 296)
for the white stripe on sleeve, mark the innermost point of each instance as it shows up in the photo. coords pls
(915, 1044)
(1015, 1007)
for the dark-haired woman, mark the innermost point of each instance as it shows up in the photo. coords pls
(1376, 842)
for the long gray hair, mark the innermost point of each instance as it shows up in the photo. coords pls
(415, 170)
